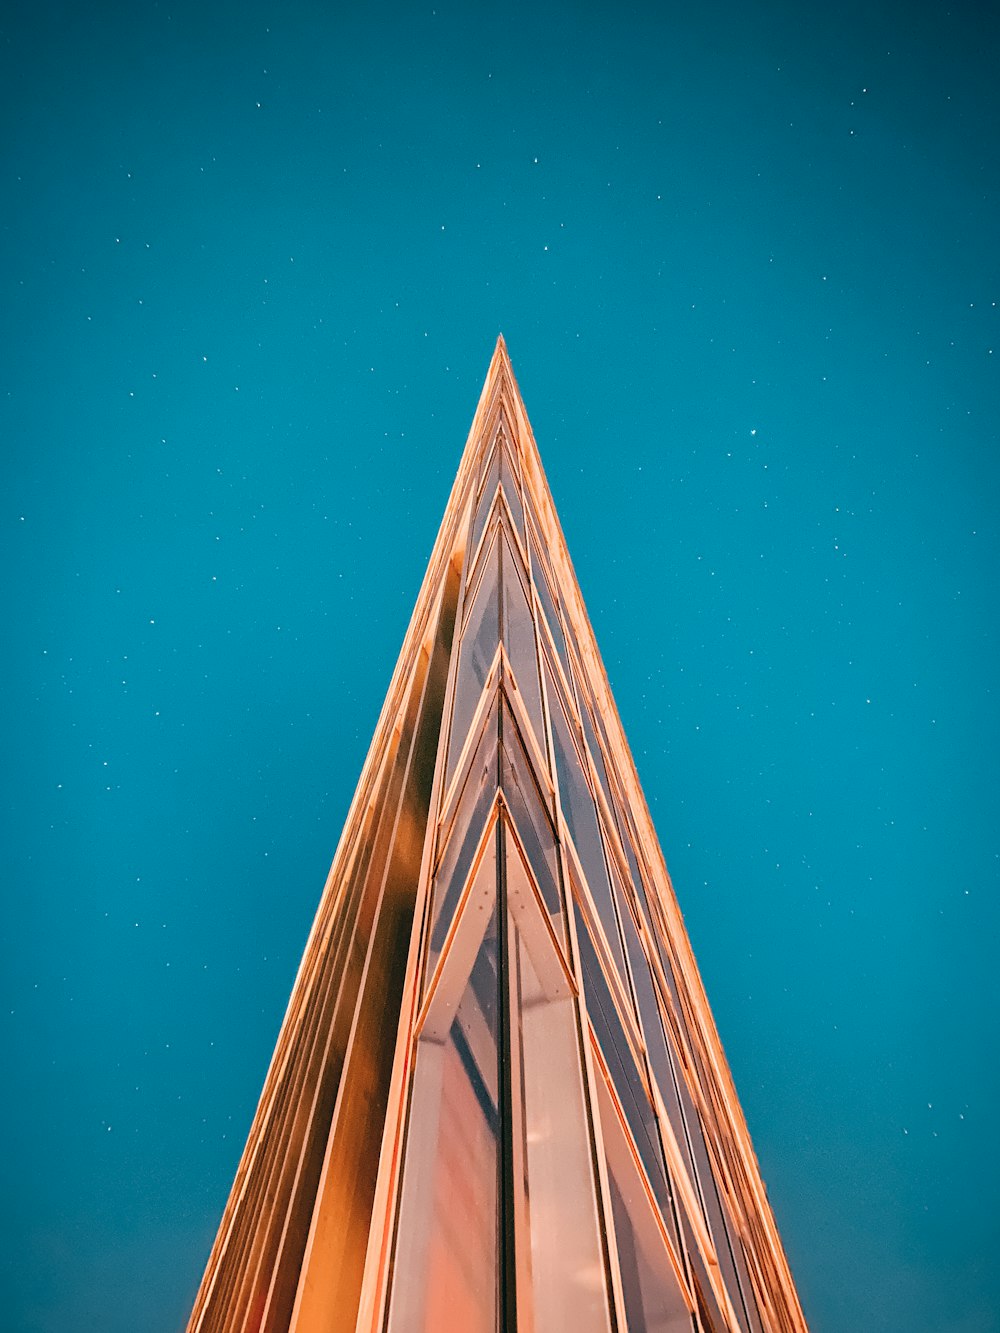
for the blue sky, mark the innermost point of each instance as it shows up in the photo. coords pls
(255, 260)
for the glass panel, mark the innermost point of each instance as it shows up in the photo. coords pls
(534, 828)
(464, 836)
(521, 876)
(580, 813)
(485, 502)
(713, 1206)
(548, 605)
(478, 649)
(448, 1252)
(595, 749)
(513, 496)
(709, 1313)
(654, 1298)
(649, 1014)
(633, 866)
(518, 632)
(621, 1064)
(653, 920)
(686, 1126)
(708, 1191)
(743, 1261)
(647, 1003)
(568, 1291)
(487, 460)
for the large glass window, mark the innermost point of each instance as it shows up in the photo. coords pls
(655, 1301)
(567, 1289)
(480, 639)
(620, 1060)
(512, 494)
(531, 819)
(713, 1205)
(538, 577)
(448, 1265)
(485, 502)
(464, 835)
(518, 631)
(580, 812)
(468, 1187)
(709, 1311)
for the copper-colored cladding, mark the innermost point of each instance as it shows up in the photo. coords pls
(498, 1100)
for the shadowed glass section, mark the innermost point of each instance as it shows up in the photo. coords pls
(654, 1299)
(534, 826)
(580, 812)
(567, 1290)
(518, 633)
(485, 503)
(447, 1263)
(479, 641)
(463, 835)
(593, 746)
(540, 580)
(512, 494)
(621, 1063)
(709, 1310)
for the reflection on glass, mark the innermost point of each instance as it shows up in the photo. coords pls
(567, 1283)
(447, 1263)
(486, 461)
(687, 1125)
(649, 1015)
(464, 836)
(746, 1286)
(479, 645)
(548, 606)
(534, 828)
(595, 749)
(512, 495)
(522, 881)
(717, 1225)
(709, 1311)
(578, 807)
(518, 633)
(622, 1068)
(485, 502)
(654, 1299)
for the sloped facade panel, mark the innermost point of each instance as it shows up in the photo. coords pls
(498, 1099)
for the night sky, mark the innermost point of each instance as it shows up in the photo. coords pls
(255, 258)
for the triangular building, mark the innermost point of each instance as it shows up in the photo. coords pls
(498, 1100)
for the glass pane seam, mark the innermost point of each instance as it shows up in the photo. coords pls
(510, 828)
(432, 983)
(487, 465)
(637, 1163)
(526, 731)
(685, 1186)
(510, 530)
(477, 567)
(604, 851)
(612, 1273)
(548, 641)
(615, 984)
(452, 797)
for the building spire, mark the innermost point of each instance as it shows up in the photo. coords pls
(498, 1098)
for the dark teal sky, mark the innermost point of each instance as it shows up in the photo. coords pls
(254, 262)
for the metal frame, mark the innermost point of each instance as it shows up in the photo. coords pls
(394, 859)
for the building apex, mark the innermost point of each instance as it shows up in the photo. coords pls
(501, 357)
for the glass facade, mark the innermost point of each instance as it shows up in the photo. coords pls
(498, 1099)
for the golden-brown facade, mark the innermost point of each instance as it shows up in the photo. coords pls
(498, 1099)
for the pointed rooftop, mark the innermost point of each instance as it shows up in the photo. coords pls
(498, 1100)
